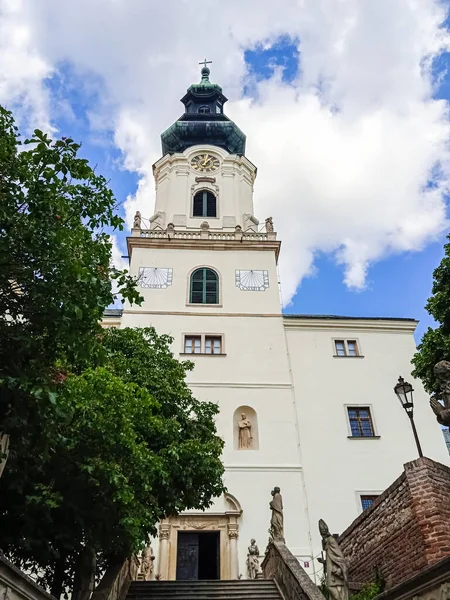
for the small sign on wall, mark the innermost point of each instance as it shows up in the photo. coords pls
(306, 564)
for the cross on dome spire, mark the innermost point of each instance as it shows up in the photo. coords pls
(205, 62)
(205, 70)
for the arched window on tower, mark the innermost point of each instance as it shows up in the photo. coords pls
(204, 110)
(205, 204)
(204, 287)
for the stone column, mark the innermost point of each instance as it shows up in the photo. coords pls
(233, 534)
(163, 558)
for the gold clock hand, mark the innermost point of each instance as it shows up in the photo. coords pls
(206, 160)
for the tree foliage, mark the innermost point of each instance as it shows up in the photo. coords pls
(106, 437)
(55, 274)
(435, 344)
(134, 447)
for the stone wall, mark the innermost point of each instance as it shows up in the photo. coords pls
(406, 530)
(15, 585)
(431, 584)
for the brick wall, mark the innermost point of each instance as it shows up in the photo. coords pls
(405, 530)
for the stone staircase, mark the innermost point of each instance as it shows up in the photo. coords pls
(243, 589)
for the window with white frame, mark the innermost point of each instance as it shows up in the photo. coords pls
(203, 344)
(360, 420)
(346, 348)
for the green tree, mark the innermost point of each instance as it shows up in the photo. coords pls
(134, 447)
(435, 344)
(55, 273)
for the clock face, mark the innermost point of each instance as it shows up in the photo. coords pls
(205, 163)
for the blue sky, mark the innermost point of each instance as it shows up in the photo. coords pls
(345, 107)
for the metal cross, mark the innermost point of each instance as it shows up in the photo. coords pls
(205, 62)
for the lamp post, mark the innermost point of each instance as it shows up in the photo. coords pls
(404, 392)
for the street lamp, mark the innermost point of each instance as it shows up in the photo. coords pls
(404, 392)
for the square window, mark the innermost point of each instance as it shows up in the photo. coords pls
(367, 500)
(346, 348)
(361, 424)
(340, 347)
(203, 344)
(192, 344)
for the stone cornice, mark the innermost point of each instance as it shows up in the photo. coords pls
(203, 244)
(351, 323)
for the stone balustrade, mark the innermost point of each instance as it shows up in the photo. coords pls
(15, 585)
(293, 581)
(220, 236)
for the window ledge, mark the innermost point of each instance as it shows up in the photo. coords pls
(363, 437)
(202, 354)
(347, 356)
(204, 305)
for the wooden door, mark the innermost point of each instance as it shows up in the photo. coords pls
(187, 556)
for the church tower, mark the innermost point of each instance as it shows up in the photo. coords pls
(305, 401)
(207, 268)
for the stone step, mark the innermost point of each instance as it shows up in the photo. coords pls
(260, 589)
(211, 583)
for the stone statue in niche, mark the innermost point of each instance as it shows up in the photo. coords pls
(335, 566)
(277, 519)
(252, 560)
(442, 412)
(147, 559)
(137, 220)
(269, 225)
(245, 433)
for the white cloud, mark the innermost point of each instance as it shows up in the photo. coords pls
(23, 69)
(344, 154)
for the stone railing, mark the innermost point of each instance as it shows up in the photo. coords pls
(222, 236)
(116, 580)
(295, 584)
(15, 585)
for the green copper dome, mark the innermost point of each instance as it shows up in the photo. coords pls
(204, 121)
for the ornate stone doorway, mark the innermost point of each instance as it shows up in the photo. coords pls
(198, 555)
(184, 562)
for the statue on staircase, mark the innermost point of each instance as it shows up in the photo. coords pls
(253, 560)
(147, 559)
(335, 565)
(277, 520)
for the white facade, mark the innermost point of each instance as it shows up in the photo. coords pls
(282, 371)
